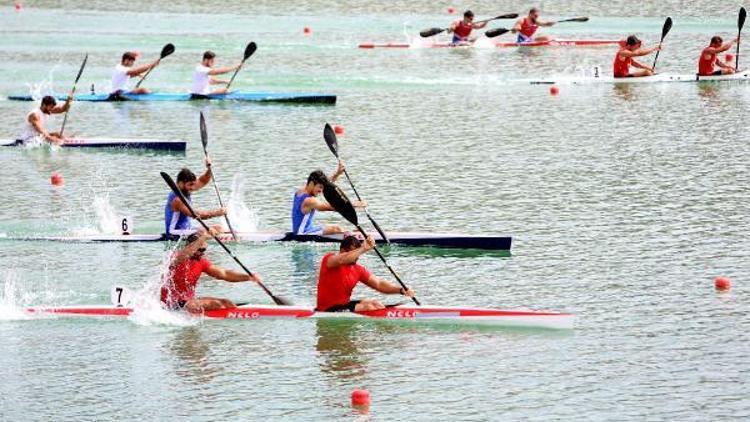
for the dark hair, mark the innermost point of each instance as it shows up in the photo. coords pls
(209, 55)
(185, 175)
(350, 242)
(192, 238)
(468, 14)
(317, 177)
(49, 100)
(128, 56)
(632, 40)
(716, 39)
(534, 9)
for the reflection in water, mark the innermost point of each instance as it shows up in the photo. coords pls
(193, 354)
(339, 349)
(305, 260)
(708, 92)
(624, 91)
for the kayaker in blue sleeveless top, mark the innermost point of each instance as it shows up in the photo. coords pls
(177, 218)
(305, 204)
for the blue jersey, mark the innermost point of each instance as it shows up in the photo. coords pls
(175, 222)
(303, 223)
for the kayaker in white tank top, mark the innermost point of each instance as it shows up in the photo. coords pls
(36, 122)
(125, 70)
(203, 76)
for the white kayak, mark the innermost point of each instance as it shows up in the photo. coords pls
(658, 78)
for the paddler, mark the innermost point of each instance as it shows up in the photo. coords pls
(36, 121)
(203, 76)
(340, 273)
(526, 27)
(305, 203)
(186, 268)
(710, 58)
(177, 216)
(125, 70)
(624, 59)
(461, 29)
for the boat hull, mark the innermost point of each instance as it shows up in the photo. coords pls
(441, 315)
(661, 78)
(154, 144)
(551, 43)
(262, 97)
(440, 240)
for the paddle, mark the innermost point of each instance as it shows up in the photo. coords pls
(434, 31)
(204, 140)
(330, 136)
(72, 92)
(740, 24)
(165, 51)
(664, 31)
(578, 19)
(178, 192)
(492, 33)
(249, 50)
(338, 200)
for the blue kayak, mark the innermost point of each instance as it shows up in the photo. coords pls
(261, 97)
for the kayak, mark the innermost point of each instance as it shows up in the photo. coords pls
(551, 43)
(445, 315)
(263, 97)
(658, 78)
(442, 240)
(158, 144)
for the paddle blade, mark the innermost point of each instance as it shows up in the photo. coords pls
(506, 16)
(330, 136)
(430, 32)
(250, 50)
(578, 19)
(741, 18)
(167, 50)
(665, 29)
(338, 200)
(280, 300)
(80, 71)
(204, 132)
(496, 32)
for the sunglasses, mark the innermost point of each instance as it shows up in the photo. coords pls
(201, 250)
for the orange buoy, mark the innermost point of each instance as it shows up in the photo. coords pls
(338, 130)
(451, 10)
(56, 179)
(307, 30)
(19, 6)
(360, 398)
(722, 283)
(554, 90)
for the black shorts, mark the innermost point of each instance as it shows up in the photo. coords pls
(199, 97)
(343, 308)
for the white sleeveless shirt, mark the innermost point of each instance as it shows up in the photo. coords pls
(201, 80)
(120, 79)
(29, 131)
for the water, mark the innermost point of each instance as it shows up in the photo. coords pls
(624, 204)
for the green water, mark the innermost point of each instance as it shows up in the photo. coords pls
(624, 203)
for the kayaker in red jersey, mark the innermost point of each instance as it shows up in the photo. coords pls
(340, 273)
(624, 59)
(186, 268)
(710, 58)
(526, 28)
(461, 29)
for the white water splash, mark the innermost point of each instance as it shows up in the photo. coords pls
(244, 219)
(10, 298)
(105, 218)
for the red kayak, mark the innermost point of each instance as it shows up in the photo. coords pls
(551, 43)
(419, 314)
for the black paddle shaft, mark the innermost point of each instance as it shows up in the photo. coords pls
(740, 24)
(165, 51)
(72, 92)
(172, 185)
(664, 31)
(249, 50)
(204, 141)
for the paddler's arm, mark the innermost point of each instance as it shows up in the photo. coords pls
(230, 275)
(62, 108)
(338, 172)
(179, 206)
(37, 124)
(640, 66)
(346, 258)
(205, 178)
(545, 23)
(387, 287)
(517, 26)
(189, 250)
(313, 203)
(479, 25)
(721, 49)
(639, 52)
(223, 70)
(140, 69)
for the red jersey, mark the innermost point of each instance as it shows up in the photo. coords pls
(621, 65)
(528, 28)
(183, 280)
(335, 285)
(463, 29)
(706, 63)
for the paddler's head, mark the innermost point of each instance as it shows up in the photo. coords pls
(48, 103)
(208, 58)
(534, 14)
(128, 59)
(716, 41)
(315, 182)
(186, 181)
(202, 246)
(468, 16)
(350, 242)
(632, 43)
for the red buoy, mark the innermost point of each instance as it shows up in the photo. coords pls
(19, 6)
(360, 398)
(722, 283)
(307, 30)
(338, 130)
(56, 179)
(554, 90)
(451, 10)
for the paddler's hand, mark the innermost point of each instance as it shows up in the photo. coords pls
(55, 139)
(359, 204)
(255, 278)
(220, 212)
(368, 244)
(207, 162)
(340, 168)
(407, 292)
